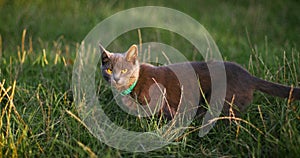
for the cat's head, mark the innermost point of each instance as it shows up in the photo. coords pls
(121, 70)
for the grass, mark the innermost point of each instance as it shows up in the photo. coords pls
(38, 44)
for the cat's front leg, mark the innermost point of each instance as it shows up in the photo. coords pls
(129, 102)
(136, 109)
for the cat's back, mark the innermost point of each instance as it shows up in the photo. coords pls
(201, 69)
(228, 67)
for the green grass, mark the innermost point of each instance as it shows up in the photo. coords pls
(39, 118)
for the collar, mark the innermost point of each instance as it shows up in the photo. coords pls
(129, 90)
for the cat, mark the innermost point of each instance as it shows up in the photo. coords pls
(124, 72)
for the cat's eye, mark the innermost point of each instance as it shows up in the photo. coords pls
(124, 71)
(109, 71)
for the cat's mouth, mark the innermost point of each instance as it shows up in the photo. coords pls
(118, 87)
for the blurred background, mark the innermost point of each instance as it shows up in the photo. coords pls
(233, 24)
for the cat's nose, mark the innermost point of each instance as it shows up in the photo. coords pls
(116, 79)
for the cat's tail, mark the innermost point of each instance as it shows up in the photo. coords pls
(277, 89)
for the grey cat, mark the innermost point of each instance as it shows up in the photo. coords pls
(134, 80)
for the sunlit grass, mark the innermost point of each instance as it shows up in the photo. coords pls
(39, 118)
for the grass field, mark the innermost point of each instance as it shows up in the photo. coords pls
(38, 45)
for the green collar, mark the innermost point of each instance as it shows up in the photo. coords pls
(127, 91)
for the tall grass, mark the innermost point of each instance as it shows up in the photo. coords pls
(39, 119)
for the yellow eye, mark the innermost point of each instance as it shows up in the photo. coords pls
(109, 71)
(124, 71)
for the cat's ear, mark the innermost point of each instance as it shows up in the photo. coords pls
(105, 55)
(132, 53)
